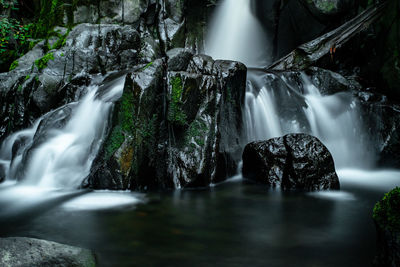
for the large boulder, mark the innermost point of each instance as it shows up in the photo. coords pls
(177, 124)
(22, 251)
(387, 221)
(291, 162)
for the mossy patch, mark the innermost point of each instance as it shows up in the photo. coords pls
(114, 142)
(125, 126)
(41, 63)
(387, 211)
(175, 113)
(61, 41)
(14, 65)
(197, 132)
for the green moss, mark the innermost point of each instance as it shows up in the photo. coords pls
(19, 89)
(61, 41)
(175, 112)
(27, 77)
(197, 132)
(51, 14)
(125, 126)
(126, 113)
(114, 142)
(14, 65)
(387, 211)
(41, 63)
(147, 66)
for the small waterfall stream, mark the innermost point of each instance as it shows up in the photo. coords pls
(273, 111)
(58, 151)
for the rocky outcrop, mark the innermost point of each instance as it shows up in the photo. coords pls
(387, 221)
(292, 162)
(382, 120)
(60, 76)
(21, 251)
(178, 124)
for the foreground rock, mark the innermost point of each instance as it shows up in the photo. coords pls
(177, 125)
(292, 162)
(22, 251)
(387, 221)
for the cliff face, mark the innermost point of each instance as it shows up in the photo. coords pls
(179, 120)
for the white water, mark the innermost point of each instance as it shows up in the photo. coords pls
(65, 157)
(238, 36)
(334, 119)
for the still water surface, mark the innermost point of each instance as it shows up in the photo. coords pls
(232, 224)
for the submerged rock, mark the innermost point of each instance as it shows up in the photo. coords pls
(22, 251)
(291, 162)
(178, 124)
(387, 221)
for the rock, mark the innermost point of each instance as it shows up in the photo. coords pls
(30, 91)
(22, 251)
(382, 120)
(329, 82)
(174, 129)
(2, 172)
(291, 162)
(179, 59)
(325, 10)
(387, 221)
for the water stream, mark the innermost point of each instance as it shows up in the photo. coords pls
(276, 106)
(232, 223)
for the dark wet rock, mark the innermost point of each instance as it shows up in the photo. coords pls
(179, 59)
(174, 128)
(292, 162)
(202, 63)
(329, 82)
(29, 91)
(22, 251)
(387, 221)
(2, 173)
(382, 120)
(325, 10)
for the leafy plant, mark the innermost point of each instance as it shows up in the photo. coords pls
(14, 35)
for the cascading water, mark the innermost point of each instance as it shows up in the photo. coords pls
(237, 35)
(279, 107)
(58, 151)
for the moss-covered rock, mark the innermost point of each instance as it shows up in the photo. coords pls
(387, 220)
(177, 124)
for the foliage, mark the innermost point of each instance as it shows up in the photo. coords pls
(175, 112)
(387, 211)
(14, 35)
(14, 65)
(41, 63)
(51, 14)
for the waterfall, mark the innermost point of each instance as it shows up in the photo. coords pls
(237, 35)
(274, 105)
(58, 150)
